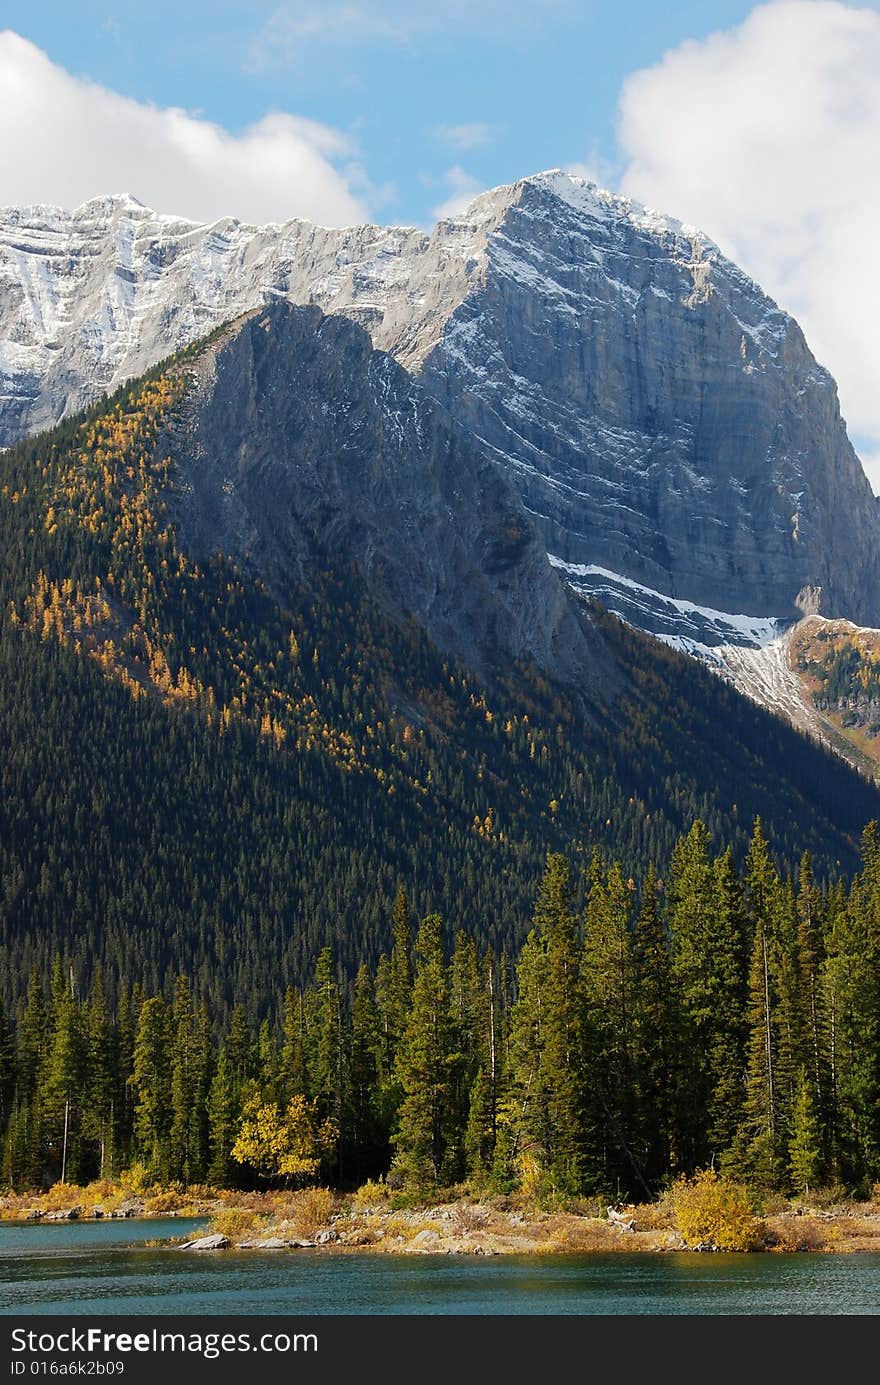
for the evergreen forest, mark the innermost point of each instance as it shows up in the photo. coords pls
(709, 1017)
(211, 794)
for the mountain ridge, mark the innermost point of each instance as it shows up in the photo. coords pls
(668, 434)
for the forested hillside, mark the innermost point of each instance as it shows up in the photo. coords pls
(196, 779)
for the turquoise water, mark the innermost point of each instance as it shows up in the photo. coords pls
(106, 1267)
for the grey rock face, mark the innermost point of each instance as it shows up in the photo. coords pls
(92, 297)
(300, 443)
(680, 452)
(662, 418)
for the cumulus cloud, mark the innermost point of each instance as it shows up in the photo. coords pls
(767, 136)
(64, 139)
(462, 188)
(467, 136)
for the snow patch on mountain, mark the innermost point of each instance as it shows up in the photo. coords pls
(694, 629)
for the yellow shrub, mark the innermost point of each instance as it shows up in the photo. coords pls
(61, 1196)
(136, 1180)
(99, 1189)
(531, 1175)
(111, 1202)
(237, 1222)
(310, 1210)
(166, 1200)
(371, 1194)
(712, 1211)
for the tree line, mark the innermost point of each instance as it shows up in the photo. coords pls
(714, 1016)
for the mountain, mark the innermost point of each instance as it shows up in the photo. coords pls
(300, 441)
(681, 452)
(273, 641)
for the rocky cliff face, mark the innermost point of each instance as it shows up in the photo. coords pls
(679, 450)
(301, 446)
(661, 417)
(92, 297)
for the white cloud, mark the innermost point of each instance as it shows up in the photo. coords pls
(767, 136)
(467, 136)
(462, 187)
(64, 139)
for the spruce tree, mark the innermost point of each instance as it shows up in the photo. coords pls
(851, 998)
(62, 1089)
(813, 1022)
(370, 1119)
(652, 1035)
(397, 998)
(7, 1067)
(805, 1138)
(330, 1063)
(608, 973)
(295, 1078)
(480, 1131)
(100, 1114)
(546, 1100)
(224, 1111)
(758, 1152)
(184, 1080)
(426, 1066)
(690, 915)
(151, 1081)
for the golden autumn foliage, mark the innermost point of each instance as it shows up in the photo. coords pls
(285, 1144)
(310, 1210)
(714, 1211)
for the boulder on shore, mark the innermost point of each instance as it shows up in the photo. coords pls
(214, 1242)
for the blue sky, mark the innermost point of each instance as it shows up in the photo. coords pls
(758, 123)
(495, 90)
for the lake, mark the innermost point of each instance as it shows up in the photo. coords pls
(107, 1267)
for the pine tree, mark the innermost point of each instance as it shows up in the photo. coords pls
(17, 1166)
(725, 1031)
(240, 1047)
(224, 1110)
(370, 1121)
(813, 1021)
(652, 1035)
(32, 1038)
(294, 1075)
(545, 1104)
(123, 1097)
(62, 1090)
(151, 1081)
(609, 991)
(479, 1138)
(329, 1069)
(759, 1147)
(183, 1081)
(851, 999)
(469, 1023)
(426, 1066)
(100, 1114)
(7, 1067)
(395, 996)
(804, 1146)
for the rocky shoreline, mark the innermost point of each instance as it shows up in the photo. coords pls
(478, 1229)
(316, 1220)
